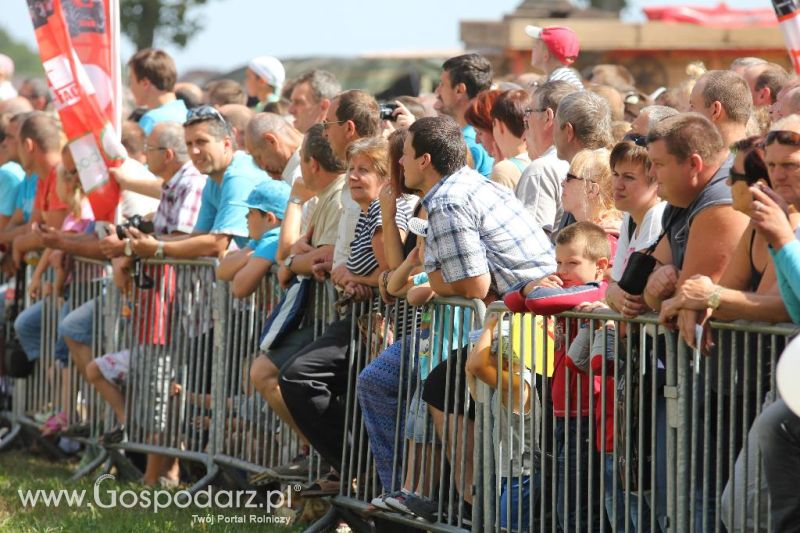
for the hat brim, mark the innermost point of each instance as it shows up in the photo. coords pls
(534, 32)
(237, 203)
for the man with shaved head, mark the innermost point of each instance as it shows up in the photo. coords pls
(723, 97)
(275, 146)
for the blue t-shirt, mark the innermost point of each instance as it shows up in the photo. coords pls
(267, 246)
(483, 163)
(174, 111)
(26, 192)
(217, 215)
(11, 175)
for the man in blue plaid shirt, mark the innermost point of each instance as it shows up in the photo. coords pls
(480, 242)
(480, 237)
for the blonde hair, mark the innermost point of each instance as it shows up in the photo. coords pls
(73, 198)
(376, 149)
(594, 167)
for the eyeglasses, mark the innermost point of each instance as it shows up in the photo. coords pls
(573, 177)
(734, 176)
(202, 113)
(789, 138)
(326, 123)
(154, 148)
(635, 138)
(528, 110)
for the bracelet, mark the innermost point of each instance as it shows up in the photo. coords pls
(386, 274)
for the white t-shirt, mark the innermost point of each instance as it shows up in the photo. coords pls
(644, 236)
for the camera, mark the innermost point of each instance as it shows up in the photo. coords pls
(387, 110)
(136, 221)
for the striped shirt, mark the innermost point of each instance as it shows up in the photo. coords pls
(362, 261)
(566, 74)
(477, 227)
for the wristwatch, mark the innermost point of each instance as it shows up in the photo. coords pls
(160, 250)
(295, 200)
(714, 299)
(288, 261)
(128, 250)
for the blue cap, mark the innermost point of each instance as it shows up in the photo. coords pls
(268, 196)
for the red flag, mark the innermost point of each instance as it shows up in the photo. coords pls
(787, 12)
(78, 42)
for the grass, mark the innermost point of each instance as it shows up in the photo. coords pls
(19, 470)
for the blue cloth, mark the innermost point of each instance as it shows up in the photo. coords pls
(11, 176)
(267, 246)
(617, 517)
(510, 494)
(572, 500)
(28, 326)
(787, 268)
(217, 214)
(174, 111)
(379, 394)
(26, 192)
(483, 162)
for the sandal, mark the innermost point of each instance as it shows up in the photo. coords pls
(54, 425)
(114, 436)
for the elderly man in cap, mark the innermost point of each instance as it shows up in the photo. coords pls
(554, 49)
(264, 79)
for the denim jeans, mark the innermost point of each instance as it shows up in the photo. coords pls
(28, 326)
(779, 438)
(573, 511)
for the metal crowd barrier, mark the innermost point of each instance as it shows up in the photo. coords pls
(652, 429)
(651, 435)
(425, 468)
(249, 436)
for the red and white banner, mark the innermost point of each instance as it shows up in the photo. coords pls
(788, 12)
(78, 43)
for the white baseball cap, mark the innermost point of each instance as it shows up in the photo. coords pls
(269, 69)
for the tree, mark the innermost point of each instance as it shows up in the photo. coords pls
(173, 21)
(26, 61)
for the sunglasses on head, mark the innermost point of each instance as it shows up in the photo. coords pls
(788, 138)
(202, 113)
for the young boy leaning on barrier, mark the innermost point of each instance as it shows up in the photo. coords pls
(513, 447)
(245, 268)
(582, 259)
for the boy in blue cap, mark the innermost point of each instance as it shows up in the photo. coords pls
(245, 268)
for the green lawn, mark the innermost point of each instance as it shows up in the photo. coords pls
(22, 471)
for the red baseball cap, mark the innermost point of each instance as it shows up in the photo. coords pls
(562, 42)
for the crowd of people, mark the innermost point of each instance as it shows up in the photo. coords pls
(559, 194)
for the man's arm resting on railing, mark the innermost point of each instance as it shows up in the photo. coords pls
(80, 244)
(474, 287)
(195, 245)
(302, 263)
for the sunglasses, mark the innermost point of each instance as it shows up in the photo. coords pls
(635, 138)
(734, 177)
(203, 113)
(788, 138)
(573, 177)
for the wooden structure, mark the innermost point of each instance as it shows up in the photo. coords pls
(655, 52)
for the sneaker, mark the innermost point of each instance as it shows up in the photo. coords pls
(397, 501)
(114, 436)
(422, 507)
(298, 470)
